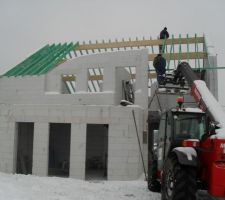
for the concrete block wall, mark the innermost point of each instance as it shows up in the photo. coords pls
(109, 62)
(43, 89)
(25, 92)
(124, 161)
(124, 157)
(38, 99)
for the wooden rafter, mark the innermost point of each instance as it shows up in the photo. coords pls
(138, 43)
(150, 43)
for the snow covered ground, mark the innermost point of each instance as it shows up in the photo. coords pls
(29, 187)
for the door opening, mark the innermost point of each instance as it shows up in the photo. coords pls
(96, 152)
(25, 147)
(59, 149)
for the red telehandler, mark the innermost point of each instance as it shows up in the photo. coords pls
(188, 150)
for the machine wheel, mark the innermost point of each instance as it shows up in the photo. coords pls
(153, 183)
(178, 182)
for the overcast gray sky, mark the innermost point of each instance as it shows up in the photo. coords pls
(27, 25)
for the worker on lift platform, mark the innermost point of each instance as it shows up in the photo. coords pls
(159, 64)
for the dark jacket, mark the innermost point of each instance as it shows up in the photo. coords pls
(164, 34)
(160, 64)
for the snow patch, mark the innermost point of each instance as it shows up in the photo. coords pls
(27, 187)
(138, 91)
(93, 93)
(162, 89)
(52, 92)
(194, 110)
(188, 151)
(192, 140)
(134, 106)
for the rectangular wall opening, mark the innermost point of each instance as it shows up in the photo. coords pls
(25, 147)
(68, 83)
(59, 149)
(125, 84)
(95, 79)
(96, 152)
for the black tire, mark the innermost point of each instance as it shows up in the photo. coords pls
(153, 183)
(178, 182)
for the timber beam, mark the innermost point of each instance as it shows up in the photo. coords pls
(180, 56)
(139, 43)
(90, 77)
(100, 77)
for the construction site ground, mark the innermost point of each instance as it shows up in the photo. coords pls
(27, 187)
(30, 187)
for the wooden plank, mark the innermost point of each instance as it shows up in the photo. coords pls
(139, 43)
(68, 78)
(181, 56)
(95, 77)
(152, 75)
(91, 78)
(100, 77)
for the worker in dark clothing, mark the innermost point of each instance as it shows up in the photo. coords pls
(159, 64)
(163, 35)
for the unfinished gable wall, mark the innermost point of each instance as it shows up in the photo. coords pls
(39, 99)
(109, 62)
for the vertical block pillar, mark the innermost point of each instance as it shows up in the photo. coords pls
(78, 151)
(10, 148)
(109, 78)
(82, 80)
(53, 83)
(141, 96)
(141, 87)
(40, 149)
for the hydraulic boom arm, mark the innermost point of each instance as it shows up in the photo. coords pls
(204, 98)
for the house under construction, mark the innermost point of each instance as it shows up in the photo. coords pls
(61, 112)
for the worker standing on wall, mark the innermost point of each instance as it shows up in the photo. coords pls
(159, 64)
(163, 35)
